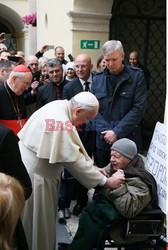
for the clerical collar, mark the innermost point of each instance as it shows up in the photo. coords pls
(58, 84)
(9, 88)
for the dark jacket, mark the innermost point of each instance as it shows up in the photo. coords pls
(72, 88)
(146, 74)
(40, 54)
(48, 93)
(87, 135)
(123, 111)
(11, 164)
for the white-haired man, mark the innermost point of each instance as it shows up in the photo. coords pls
(48, 143)
(12, 104)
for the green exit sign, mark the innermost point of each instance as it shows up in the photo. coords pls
(90, 44)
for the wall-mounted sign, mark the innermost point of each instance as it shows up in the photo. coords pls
(90, 44)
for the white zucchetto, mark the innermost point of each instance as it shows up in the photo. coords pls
(86, 98)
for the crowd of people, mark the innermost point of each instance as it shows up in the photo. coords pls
(67, 119)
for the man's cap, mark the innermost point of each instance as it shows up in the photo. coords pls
(125, 147)
(21, 68)
(86, 98)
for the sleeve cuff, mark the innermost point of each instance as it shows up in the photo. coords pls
(103, 181)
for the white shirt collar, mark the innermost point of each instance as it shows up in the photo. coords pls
(88, 80)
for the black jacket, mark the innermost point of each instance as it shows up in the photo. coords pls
(48, 93)
(87, 135)
(11, 164)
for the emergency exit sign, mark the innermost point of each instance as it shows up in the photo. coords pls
(90, 44)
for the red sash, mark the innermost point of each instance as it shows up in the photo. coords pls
(14, 124)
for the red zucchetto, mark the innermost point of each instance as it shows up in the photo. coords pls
(21, 68)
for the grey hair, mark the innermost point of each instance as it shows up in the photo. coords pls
(6, 65)
(74, 104)
(53, 62)
(111, 46)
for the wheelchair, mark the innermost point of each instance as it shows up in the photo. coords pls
(146, 231)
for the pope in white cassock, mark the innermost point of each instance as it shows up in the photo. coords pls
(48, 143)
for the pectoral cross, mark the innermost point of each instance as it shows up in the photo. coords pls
(18, 112)
(20, 122)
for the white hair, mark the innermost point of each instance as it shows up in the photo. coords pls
(17, 74)
(111, 46)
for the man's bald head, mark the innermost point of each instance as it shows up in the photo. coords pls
(83, 66)
(32, 62)
(83, 57)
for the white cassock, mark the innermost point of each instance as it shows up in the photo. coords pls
(45, 151)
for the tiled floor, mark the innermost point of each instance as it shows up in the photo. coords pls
(72, 223)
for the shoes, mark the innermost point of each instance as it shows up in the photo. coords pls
(67, 213)
(61, 217)
(78, 209)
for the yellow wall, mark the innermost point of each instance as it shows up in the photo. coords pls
(78, 36)
(53, 25)
(103, 6)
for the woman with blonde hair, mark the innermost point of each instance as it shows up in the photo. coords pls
(11, 205)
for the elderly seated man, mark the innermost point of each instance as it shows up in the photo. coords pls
(110, 204)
